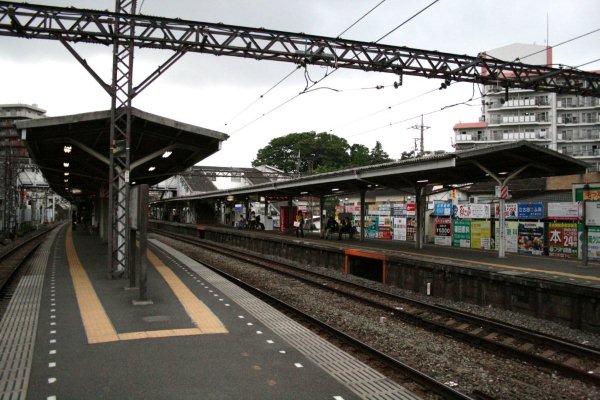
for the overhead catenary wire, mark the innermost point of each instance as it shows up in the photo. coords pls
(405, 22)
(435, 90)
(558, 44)
(306, 89)
(290, 74)
(466, 102)
(385, 109)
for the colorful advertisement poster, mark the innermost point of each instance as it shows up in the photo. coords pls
(564, 211)
(531, 238)
(461, 233)
(399, 228)
(531, 210)
(593, 242)
(481, 235)
(384, 228)
(411, 229)
(373, 209)
(511, 211)
(562, 239)
(511, 237)
(371, 226)
(443, 231)
(442, 209)
(411, 209)
(399, 210)
(385, 210)
(470, 211)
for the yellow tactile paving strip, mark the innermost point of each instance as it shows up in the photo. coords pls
(98, 327)
(97, 324)
(200, 314)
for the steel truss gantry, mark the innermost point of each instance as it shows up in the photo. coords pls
(125, 30)
(91, 26)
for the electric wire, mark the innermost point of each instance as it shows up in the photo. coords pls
(466, 103)
(287, 76)
(384, 109)
(290, 74)
(518, 59)
(361, 18)
(482, 95)
(308, 87)
(402, 24)
(589, 62)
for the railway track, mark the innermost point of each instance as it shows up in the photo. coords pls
(11, 259)
(430, 385)
(570, 359)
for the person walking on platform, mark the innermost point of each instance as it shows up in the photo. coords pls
(299, 224)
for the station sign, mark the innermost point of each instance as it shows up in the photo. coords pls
(531, 210)
(442, 209)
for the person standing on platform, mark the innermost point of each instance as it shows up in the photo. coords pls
(332, 226)
(346, 227)
(299, 224)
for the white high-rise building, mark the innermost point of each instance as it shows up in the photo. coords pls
(566, 123)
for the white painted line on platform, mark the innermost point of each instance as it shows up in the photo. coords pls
(270, 341)
(249, 324)
(258, 332)
(298, 365)
(51, 380)
(52, 352)
(51, 365)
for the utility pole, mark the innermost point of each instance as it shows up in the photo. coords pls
(422, 128)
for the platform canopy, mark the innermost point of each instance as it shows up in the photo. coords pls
(73, 151)
(525, 159)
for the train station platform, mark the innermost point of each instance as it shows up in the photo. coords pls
(561, 290)
(69, 332)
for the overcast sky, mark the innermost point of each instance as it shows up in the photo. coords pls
(211, 91)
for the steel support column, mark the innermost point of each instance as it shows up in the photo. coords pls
(120, 136)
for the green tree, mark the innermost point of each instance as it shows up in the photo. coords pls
(359, 155)
(293, 152)
(407, 154)
(378, 156)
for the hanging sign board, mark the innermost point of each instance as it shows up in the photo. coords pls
(564, 210)
(531, 210)
(592, 213)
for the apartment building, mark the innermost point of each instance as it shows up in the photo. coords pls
(566, 123)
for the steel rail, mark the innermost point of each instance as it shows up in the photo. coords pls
(16, 254)
(419, 317)
(422, 379)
